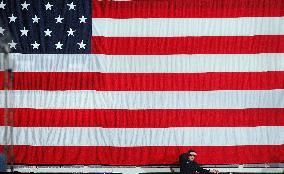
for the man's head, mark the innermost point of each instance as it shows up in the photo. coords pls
(191, 155)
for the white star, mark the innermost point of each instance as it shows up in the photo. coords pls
(71, 6)
(83, 19)
(12, 44)
(35, 19)
(35, 45)
(24, 32)
(25, 5)
(12, 18)
(47, 32)
(2, 30)
(71, 32)
(82, 45)
(48, 6)
(59, 19)
(59, 45)
(2, 5)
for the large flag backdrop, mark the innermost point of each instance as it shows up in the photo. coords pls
(140, 82)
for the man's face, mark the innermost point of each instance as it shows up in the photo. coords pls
(191, 157)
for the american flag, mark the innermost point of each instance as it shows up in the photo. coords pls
(140, 82)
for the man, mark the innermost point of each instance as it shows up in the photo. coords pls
(189, 166)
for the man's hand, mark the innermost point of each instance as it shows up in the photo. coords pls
(214, 171)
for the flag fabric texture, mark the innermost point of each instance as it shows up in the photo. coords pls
(140, 82)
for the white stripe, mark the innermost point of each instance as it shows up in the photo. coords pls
(147, 63)
(170, 27)
(197, 136)
(89, 99)
(1, 61)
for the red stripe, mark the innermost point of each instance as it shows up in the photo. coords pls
(148, 81)
(188, 45)
(57, 155)
(187, 9)
(2, 80)
(108, 118)
(2, 75)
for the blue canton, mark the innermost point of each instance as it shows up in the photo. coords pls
(46, 26)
